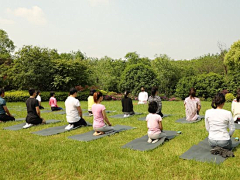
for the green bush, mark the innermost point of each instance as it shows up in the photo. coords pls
(229, 97)
(22, 96)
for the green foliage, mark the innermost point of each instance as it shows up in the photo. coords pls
(134, 58)
(6, 46)
(232, 58)
(229, 97)
(137, 75)
(68, 73)
(206, 85)
(167, 73)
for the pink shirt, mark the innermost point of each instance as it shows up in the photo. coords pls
(191, 107)
(53, 102)
(153, 123)
(98, 120)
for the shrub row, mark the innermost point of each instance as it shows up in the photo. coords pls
(20, 96)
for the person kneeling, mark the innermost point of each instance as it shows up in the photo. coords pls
(127, 105)
(154, 123)
(99, 115)
(5, 115)
(73, 111)
(33, 111)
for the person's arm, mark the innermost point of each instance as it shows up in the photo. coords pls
(199, 106)
(160, 125)
(38, 110)
(231, 125)
(232, 107)
(122, 104)
(55, 102)
(160, 103)
(79, 111)
(105, 117)
(7, 111)
(206, 122)
(131, 104)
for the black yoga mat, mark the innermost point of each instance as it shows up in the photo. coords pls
(89, 135)
(201, 152)
(20, 126)
(184, 121)
(55, 130)
(141, 143)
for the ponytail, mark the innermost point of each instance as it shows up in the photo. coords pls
(192, 92)
(96, 96)
(217, 100)
(154, 90)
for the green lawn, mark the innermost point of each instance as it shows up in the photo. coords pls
(27, 156)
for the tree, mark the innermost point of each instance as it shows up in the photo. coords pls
(6, 47)
(232, 57)
(137, 75)
(133, 58)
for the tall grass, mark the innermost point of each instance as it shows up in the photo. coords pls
(27, 156)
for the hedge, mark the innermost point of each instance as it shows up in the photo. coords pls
(22, 96)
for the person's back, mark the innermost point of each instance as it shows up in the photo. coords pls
(2, 103)
(90, 103)
(98, 120)
(191, 108)
(127, 105)
(71, 105)
(32, 115)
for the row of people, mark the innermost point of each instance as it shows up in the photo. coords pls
(217, 120)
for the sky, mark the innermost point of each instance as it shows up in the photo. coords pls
(182, 29)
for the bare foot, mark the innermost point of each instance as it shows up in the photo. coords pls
(96, 133)
(43, 122)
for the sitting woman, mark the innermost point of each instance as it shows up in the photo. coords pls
(53, 102)
(90, 101)
(236, 108)
(192, 106)
(127, 105)
(154, 97)
(154, 124)
(38, 97)
(217, 122)
(99, 116)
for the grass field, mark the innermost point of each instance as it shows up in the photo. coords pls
(27, 156)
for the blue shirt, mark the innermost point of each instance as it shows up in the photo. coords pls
(2, 103)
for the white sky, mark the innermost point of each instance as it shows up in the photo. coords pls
(182, 29)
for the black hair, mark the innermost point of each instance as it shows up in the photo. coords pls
(1, 91)
(52, 93)
(154, 90)
(192, 92)
(92, 91)
(72, 91)
(126, 93)
(217, 100)
(31, 91)
(96, 96)
(38, 91)
(238, 94)
(152, 107)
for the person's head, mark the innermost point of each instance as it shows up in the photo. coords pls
(97, 96)
(52, 94)
(73, 92)
(2, 92)
(192, 92)
(152, 107)
(92, 91)
(154, 91)
(38, 92)
(142, 89)
(32, 92)
(218, 100)
(126, 93)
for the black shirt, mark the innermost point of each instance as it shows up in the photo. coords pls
(127, 105)
(31, 103)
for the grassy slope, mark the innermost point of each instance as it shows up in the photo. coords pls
(27, 156)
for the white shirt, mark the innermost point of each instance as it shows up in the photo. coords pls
(71, 105)
(217, 121)
(38, 98)
(143, 96)
(235, 109)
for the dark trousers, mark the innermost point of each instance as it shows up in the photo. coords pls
(160, 113)
(56, 108)
(81, 122)
(5, 117)
(40, 107)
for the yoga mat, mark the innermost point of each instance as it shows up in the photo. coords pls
(89, 135)
(121, 115)
(144, 118)
(201, 152)
(59, 112)
(237, 126)
(46, 111)
(141, 143)
(55, 130)
(20, 119)
(20, 126)
(184, 121)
